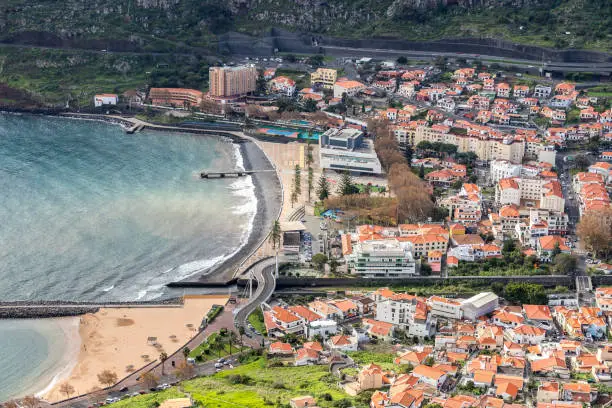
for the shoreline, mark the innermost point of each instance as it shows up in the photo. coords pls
(117, 338)
(71, 355)
(267, 191)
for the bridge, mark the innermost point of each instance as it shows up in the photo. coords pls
(263, 273)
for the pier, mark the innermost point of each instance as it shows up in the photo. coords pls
(229, 173)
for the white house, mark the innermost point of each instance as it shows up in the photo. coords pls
(342, 343)
(105, 99)
(323, 328)
(430, 375)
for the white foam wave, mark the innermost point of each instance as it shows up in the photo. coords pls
(243, 189)
(111, 287)
(238, 157)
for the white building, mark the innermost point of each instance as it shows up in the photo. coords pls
(323, 328)
(385, 258)
(443, 307)
(542, 91)
(479, 305)
(346, 149)
(501, 169)
(350, 88)
(105, 99)
(282, 85)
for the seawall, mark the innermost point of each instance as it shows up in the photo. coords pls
(42, 309)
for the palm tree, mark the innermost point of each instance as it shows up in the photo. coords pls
(275, 234)
(231, 338)
(163, 356)
(241, 331)
(186, 352)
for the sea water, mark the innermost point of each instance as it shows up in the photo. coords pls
(88, 212)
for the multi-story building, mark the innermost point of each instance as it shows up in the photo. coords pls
(542, 91)
(501, 169)
(346, 149)
(231, 82)
(386, 258)
(350, 88)
(175, 96)
(325, 77)
(443, 307)
(485, 146)
(534, 192)
(282, 85)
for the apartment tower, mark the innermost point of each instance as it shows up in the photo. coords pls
(228, 82)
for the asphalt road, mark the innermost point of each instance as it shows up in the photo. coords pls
(263, 272)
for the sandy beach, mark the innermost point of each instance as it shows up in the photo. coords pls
(115, 339)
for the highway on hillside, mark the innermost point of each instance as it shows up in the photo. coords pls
(263, 272)
(599, 67)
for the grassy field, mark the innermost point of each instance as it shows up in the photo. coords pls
(383, 359)
(261, 386)
(256, 319)
(149, 400)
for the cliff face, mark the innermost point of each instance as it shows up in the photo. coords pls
(168, 23)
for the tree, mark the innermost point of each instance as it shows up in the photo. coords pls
(241, 332)
(581, 162)
(429, 361)
(525, 293)
(402, 60)
(107, 378)
(565, 264)
(595, 230)
(408, 153)
(186, 352)
(556, 250)
(422, 172)
(319, 260)
(333, 266)
(323, 188)
(66, 389)
(184, 370)
(309, 157)
(425, 269)
(30, 401)
(310, 181)
(231, 339)
(163, 356)
(275, 234)
(149, 380)
(346, 186)
(297, 180)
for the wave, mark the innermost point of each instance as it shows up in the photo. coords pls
(242, 188)
(111, 287)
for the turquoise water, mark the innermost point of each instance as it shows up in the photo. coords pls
(88, 212)
(33, 352)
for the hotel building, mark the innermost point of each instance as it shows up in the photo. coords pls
(231, 82)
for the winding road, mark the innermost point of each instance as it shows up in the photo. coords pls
(263, 272)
